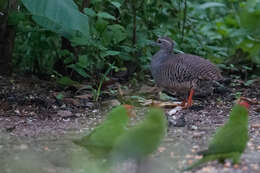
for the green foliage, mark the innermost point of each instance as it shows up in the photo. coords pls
(116, 35)
(28, 56)
(3, 4)
(62, 17)
(66, 82)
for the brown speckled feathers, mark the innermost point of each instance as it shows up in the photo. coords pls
(180, 72)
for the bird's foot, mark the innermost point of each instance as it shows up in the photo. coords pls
(186, 106)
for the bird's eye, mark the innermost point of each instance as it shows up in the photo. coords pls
(159, 41)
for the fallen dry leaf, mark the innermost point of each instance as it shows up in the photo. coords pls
(188, 156)
(245, 168)
(190, 162)
(147, 89)
(254, 166)
(236, 166)
(171, 154)
(198, 157)
(227, 165)
(255, 125)
(253, 101)
(161, 149)
(84, 96)
(64, 113)
(174, 110)
(160, 104)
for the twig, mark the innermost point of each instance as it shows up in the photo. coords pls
(85, 4)
(251, 101)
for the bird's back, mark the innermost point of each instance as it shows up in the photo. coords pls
(183, 71)
(200, 68)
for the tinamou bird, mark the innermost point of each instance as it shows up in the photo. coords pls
(181, 73)
(230, 140)
(143, 139)
(102, 139)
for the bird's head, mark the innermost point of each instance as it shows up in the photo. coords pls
(130, 111)
(241, 101)
(165, 43)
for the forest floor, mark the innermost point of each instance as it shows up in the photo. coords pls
(38, 122)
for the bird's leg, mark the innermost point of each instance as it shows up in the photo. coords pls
(190, 98)
(183, 103)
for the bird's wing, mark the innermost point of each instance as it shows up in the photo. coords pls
(227, 139)
(203, 68)
(176, 72)
(106, 134)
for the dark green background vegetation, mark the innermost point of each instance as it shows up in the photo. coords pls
(94, 39)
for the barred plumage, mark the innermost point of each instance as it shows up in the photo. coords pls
(180, 72)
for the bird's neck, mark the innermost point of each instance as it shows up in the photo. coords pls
(166, 51)
(161, 56)
(240, 119)
(239, 114)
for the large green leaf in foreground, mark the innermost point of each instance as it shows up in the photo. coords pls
(60, 16)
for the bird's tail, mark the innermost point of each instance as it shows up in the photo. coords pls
(199, 162)
(78, 142)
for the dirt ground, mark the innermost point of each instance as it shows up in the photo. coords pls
(37, 125)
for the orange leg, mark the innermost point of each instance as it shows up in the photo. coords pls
(190, 98)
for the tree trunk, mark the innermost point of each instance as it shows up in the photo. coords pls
(7, 35)
(85, 4)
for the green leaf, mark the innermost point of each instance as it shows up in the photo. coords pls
(15, 17)
(249, 82)
(101, 25)
(117, 33)
(211, 5)
(90, 12)
(79, 70)
(60, 96)
(83, 61)
(116, 4)
(80, 41)
(249, 16)
(125, 56)
(105, 15)
(62, 17)
(52, 26)
(66, 81)
(110, 53)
